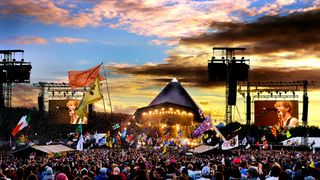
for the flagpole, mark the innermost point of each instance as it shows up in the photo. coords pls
(105, 75)
(104, 107)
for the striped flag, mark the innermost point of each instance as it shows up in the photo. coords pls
(24, 122)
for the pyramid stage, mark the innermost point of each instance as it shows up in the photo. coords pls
(172, 110)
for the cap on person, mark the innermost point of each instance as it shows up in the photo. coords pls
(103, 170)
(253, 169)
(48, 170)
(61, 176)
(309, 178)
(116, 170)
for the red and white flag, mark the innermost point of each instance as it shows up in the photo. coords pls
(24, 122)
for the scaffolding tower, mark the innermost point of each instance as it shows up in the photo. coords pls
(226, 66)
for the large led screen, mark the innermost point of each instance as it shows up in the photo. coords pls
(268, 113)
(63, 112)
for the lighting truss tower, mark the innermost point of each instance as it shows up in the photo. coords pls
(226, 66)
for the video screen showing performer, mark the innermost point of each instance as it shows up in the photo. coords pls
(74, 118)
(270, 113)
(284, 112)
(63, 112)
(281, 115)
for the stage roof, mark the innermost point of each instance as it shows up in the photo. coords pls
(174, 96)
(174, 93)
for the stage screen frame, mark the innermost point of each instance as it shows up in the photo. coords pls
(265, 114)
(59, 112)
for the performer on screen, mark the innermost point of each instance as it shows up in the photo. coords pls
(74, 118)
(286, 120)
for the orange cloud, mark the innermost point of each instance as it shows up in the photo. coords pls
(48, 12)
(69, 40)
(28, 40)
(164, 19)
(24, 95)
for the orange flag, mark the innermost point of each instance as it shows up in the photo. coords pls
(84, 78)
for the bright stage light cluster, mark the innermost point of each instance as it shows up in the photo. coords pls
(164, 111)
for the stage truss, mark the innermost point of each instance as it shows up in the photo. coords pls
(276, 90)
(57, 91)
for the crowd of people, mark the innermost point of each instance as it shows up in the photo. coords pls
(150, 163)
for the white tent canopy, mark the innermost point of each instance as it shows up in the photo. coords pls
(50, 149)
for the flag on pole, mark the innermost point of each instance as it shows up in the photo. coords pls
(205, 125)
(164, 148)
(93, 95)
(24, 122)
(84, 78)
(80, 143)
(108, 140)
(248, 146)
(244, 141)
(124, 133)
(102, 141)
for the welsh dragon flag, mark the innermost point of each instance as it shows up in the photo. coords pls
(24, 122)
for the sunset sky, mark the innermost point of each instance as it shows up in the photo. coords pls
(144, 44)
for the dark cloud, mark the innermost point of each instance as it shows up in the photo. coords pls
(296, 33)
(268, 34)
(197, 76)
(284, 74)
(194, 75)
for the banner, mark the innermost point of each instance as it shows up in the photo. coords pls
(205, 125)
(93, 95)
(84, 78)
(230, 144)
